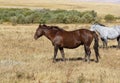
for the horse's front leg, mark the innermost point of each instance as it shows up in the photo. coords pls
(104, 42)
(85, 54)
(62, 53)
(55, 53)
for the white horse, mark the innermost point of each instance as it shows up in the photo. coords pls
(107, 33)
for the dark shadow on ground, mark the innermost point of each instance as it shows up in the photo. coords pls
(113, 46)
(72, 59)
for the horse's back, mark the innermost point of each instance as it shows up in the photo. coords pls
(72, 39)
(86, 32)
(117, 29)
(109, 32)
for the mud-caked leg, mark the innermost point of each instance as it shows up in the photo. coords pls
(55, 53)
(88, 52)
(85, 54)
(62, 53)
(104, 42)
(106, 46)
(118, 40)
(97, 60)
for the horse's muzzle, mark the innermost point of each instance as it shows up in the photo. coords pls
(35, 37)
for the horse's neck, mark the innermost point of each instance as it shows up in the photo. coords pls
(50, 34)
(100, 29)
(117, 28)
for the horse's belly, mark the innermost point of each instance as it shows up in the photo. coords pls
(113, 35)
(72, 45)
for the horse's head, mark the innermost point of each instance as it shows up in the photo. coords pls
(39, 31)
(93, 27)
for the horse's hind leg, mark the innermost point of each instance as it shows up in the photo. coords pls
(62, 53)
(97, 60)
(88, 52)
(118, 40)
(55, 53)
(96, 53)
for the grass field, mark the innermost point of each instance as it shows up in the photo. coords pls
(100, 8)
(25, 60)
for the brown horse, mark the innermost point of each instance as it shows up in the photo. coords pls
(69, 39)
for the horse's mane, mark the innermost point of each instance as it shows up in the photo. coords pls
(54, 27)
(101, 24)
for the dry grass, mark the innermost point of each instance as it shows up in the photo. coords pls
(101, 8)
(24, 60)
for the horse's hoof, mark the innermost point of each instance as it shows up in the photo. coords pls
(63, 60)
(88, 62)
(85, 60)
(96, 61)
(118, 47)
(54, 61)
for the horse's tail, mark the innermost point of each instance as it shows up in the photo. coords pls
(96, 45)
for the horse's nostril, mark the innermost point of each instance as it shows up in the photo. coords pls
(35, 37)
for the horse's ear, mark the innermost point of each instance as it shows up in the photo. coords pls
(44, 25)
(93, 23)
(39, 25)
